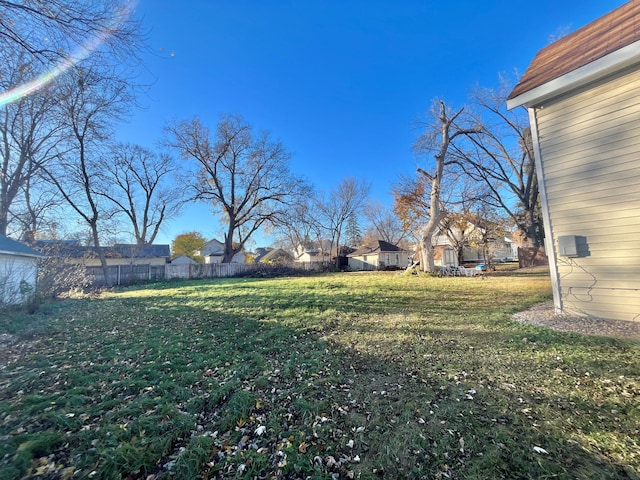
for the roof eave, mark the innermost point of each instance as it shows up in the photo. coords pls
(22, 254)
(595, 70)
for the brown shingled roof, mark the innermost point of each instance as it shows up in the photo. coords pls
(609, 33)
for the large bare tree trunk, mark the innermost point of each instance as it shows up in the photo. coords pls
(435, 208)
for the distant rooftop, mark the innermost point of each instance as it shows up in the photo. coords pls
(379, 246)
(73, 249)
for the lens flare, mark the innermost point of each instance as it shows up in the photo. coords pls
(79, 55)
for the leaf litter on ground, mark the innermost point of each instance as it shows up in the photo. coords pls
(315, 377)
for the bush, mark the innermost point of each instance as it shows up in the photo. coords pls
(55, 277)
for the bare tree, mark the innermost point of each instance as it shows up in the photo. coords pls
(35, 214)
(298, 226)
(136, 181)
(65, 31)
(501, 157)
(89, 106)
(50, 37)
(28, 138)
(334, 210)
(385, 223)
(437, 140)
(244, 175)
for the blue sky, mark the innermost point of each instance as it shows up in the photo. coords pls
(340, 82)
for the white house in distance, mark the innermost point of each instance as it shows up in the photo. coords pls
(183, 260)
(18, 271)
(500, 249)
(317, 253)
(379, 256)
(583, 97)
(213, 252)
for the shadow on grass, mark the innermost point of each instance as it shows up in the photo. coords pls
(246, 377)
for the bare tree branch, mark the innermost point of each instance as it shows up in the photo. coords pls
(246, 177)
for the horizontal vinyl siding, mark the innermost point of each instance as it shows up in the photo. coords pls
(590, 149)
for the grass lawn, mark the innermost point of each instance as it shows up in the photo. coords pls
(375, 375)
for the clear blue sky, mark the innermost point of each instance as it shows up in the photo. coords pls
(340, 82)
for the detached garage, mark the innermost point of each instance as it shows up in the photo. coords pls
(583, 97)
(380, 255)
(18, 271)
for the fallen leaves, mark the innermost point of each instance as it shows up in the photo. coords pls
(242, 388)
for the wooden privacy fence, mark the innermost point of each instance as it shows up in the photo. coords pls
(125, 274)
(209, 270)
(128, 274)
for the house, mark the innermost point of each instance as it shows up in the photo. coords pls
(474, 248)
(117, 255)
(583, 97)
(259, 253)
(275, 256)
(18, 271)
(213, 252)
(183, 260)
(131, 254)
(380, 255)
(314, 252)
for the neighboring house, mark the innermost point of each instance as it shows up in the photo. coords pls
(275, 256)
(18, 271)
(502, 248)
(379, 256)
(120, 254)
(259, 253)
(583, 97)
(183, 260)
(213, 252)
(314, 252)
(126, 254)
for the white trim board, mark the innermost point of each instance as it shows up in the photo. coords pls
(595, 70)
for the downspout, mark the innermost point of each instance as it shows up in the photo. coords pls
(549, 241)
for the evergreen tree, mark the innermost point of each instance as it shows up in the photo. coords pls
(352, 232)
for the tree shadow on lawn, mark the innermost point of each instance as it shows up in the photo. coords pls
(138, 386)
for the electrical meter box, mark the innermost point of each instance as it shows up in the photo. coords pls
(568, 246)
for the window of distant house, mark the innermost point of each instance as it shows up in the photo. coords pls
(397, 259)
(388, 256)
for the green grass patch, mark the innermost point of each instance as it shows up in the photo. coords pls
(346, 375)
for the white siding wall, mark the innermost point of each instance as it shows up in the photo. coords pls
(590, 150)
(378, 260)
(365, 262)
(17, 278)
